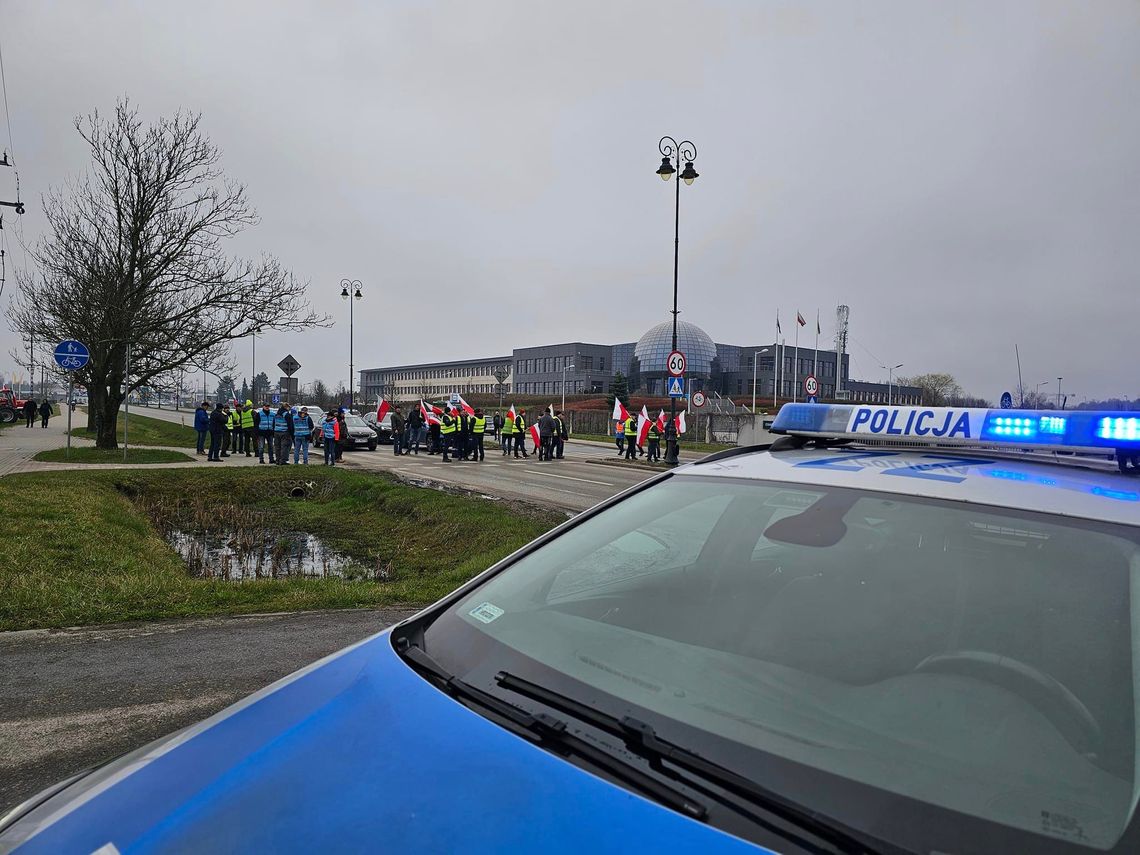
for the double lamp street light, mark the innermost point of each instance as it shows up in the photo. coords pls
(672, 153)
(353, 285)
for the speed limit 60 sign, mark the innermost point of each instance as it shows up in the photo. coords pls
(811, 386)
(676, 363)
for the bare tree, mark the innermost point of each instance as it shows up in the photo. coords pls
(133, 258)
(937, 389)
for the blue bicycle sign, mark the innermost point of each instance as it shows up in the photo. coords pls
(72, 355)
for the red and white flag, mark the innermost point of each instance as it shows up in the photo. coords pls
(467, 408)
(430, 416)
(534, 435)
(643, 424)
(680, 422)
(382, 408)
(620, 412)
(800, 320)
(661, 422)
(511, 415)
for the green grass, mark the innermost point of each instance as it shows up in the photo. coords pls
(708, 447)
(79, 548)
(144, 430)
(87, 454)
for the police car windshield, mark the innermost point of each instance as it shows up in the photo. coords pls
(977, 660)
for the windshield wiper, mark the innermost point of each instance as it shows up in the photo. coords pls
(642, 739)
(551, 733)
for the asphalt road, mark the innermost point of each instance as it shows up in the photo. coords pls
(577, 482)
(72, 699)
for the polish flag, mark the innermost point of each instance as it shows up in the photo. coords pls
(680, 422)
(800, 320)
(467, 408)
(429, 415)
(620, 412)
(643, 424)
(534, 435)
(382, 408)
(511, 414)
(661, 422)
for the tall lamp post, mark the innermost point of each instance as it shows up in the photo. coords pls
(347, 285)
(565, 368)
(253, 382)
(891, 369)
(1059, 379)
(672, 153)
(754, 361)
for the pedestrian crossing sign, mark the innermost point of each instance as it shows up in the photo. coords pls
(676, 387)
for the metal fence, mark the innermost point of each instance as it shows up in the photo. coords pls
(701, 426)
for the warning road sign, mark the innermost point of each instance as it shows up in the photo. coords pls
(676, 387)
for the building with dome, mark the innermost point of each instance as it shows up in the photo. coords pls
(584, 368)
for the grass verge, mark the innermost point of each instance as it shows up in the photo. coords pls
(87, 454)
(144, 430)
(79, 549)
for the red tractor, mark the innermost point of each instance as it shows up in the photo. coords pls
(11, 407)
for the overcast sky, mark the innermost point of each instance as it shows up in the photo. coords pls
(964, 175)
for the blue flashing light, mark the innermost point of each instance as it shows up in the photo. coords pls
(1126, 428)
(1021, 429)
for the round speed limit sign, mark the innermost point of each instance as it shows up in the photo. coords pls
(811, 386)
(676, 363)
(698, 399)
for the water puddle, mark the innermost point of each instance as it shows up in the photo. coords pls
(264, 555)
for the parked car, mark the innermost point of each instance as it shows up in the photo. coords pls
(383, 430)
(359, 433)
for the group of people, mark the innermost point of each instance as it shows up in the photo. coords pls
(625, 436)
(31, 409)
(246, 429)
(456, 434)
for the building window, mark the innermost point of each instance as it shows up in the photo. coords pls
(601, 365)
(586, 363)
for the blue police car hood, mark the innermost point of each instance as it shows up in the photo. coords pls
(354, 753)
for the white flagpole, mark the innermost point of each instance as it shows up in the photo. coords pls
(815, 368)
(776, 382)
(796, 363)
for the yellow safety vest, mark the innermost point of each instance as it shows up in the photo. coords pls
(247, 417)
(446, 424)
(630, 428)
(508, 427)
(520, 424)
(480, 424)
(654, 433)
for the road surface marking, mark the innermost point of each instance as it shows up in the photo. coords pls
(572, 478)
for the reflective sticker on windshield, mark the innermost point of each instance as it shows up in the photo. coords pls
(486, 612)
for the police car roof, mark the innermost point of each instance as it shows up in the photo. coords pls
(968, 476)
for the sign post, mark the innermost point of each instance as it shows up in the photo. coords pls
(71, 355)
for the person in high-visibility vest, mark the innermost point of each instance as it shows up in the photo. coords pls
(654, 442)
(478, 428)
(247, 428)
(446, 432)
(507, 436)
(619, 436)
(520, 434)
(630, 439)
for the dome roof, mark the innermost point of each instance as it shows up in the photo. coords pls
(653, 348)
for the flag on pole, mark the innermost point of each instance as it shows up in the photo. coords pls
(511, 415)
(817, 328)
(431, 416)
(550, 409)
(778, 330)
(620, 412)
(382, 408)
(534, 435)
(815, 358)
(642, 425)
(680, 422)
(661, 421)
(800, 320)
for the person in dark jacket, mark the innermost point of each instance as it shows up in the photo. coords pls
(561, 434)
(217, 432)
(397, 431)
(546, 428)
(415, 423)
(30, 409)
(202, 425)
(342, 426)
(45, 413)
(520, 433)
(496, 424)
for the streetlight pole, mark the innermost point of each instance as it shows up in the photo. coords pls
(253, 380)
(1059, 379)
(565, 368)
(755, 354)
(890, 377)
(345, 285)
(672, 153)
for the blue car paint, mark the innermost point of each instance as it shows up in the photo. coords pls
(361, 754)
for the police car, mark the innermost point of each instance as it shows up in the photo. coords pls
(896, 629)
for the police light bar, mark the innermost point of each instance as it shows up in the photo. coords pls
(1047, 429)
